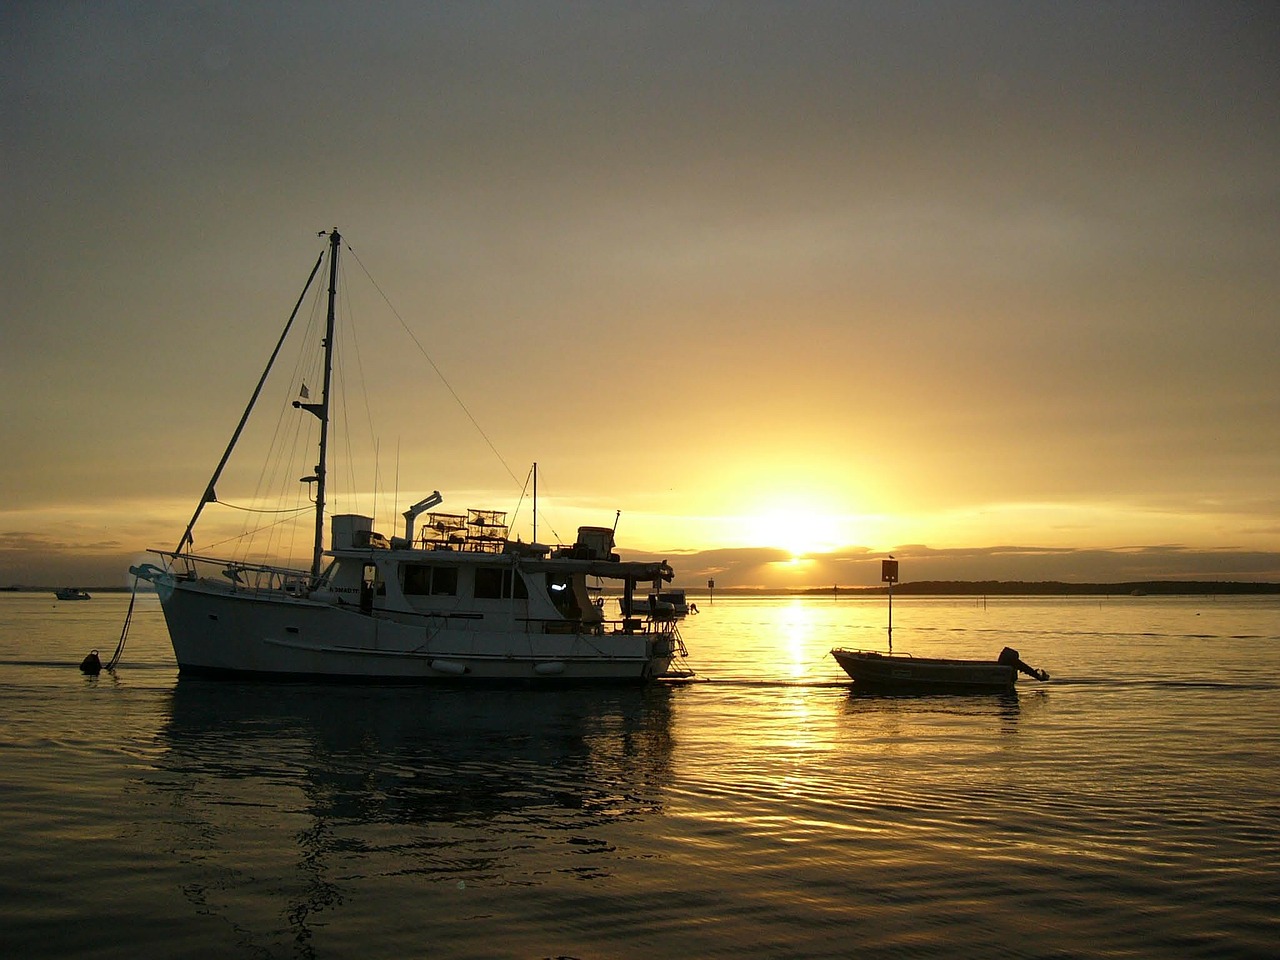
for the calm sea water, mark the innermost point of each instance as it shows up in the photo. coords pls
(1128, 808)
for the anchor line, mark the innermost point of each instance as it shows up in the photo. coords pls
(124, 630)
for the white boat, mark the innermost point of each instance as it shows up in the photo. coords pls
(72, 593)
(456, 599)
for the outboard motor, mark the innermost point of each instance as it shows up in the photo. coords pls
(1009, 657)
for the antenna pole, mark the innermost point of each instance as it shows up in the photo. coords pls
(889, 575)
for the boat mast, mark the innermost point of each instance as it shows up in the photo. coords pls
(335, 241)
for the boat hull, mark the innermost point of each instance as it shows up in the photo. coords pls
(220, 632)
(889, 673)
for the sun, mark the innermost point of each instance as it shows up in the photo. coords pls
(798, 528)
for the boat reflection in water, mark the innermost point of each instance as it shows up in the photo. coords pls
(887, 716)
(320, 794)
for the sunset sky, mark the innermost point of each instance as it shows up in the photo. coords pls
(992, 285)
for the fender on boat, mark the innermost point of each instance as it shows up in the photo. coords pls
(451, 667)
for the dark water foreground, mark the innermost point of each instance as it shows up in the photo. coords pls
(1128, 808)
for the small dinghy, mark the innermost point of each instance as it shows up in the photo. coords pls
(902, 673)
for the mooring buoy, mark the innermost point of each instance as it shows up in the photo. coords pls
(91, 664)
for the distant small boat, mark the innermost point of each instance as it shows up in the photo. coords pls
(71, 593)
(903, 673)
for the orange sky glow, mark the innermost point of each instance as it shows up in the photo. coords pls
(993, 286)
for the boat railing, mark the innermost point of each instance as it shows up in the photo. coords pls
(628, 626)
(253, 578)
(896, 654)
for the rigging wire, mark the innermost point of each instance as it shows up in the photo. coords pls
(233, 506)
(288, 561)
(244, 418)
(290, 433)
(439, 373)
(278, 483)
(350, 329)
(447, 384)
(524, 490)
(550, 526)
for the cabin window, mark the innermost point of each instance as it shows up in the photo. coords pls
(489, 583)
(496, 583)
(417, 579)
(422, 580)
(444, 581)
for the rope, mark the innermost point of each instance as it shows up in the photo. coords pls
(252, 533)
(124, 631)
(223, 503)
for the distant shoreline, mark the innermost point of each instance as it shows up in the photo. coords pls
(1020, 588)
(934, 588)
(88, 590)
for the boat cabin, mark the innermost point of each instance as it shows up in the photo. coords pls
(463, 567)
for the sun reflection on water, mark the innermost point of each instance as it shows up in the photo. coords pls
(798, 625)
